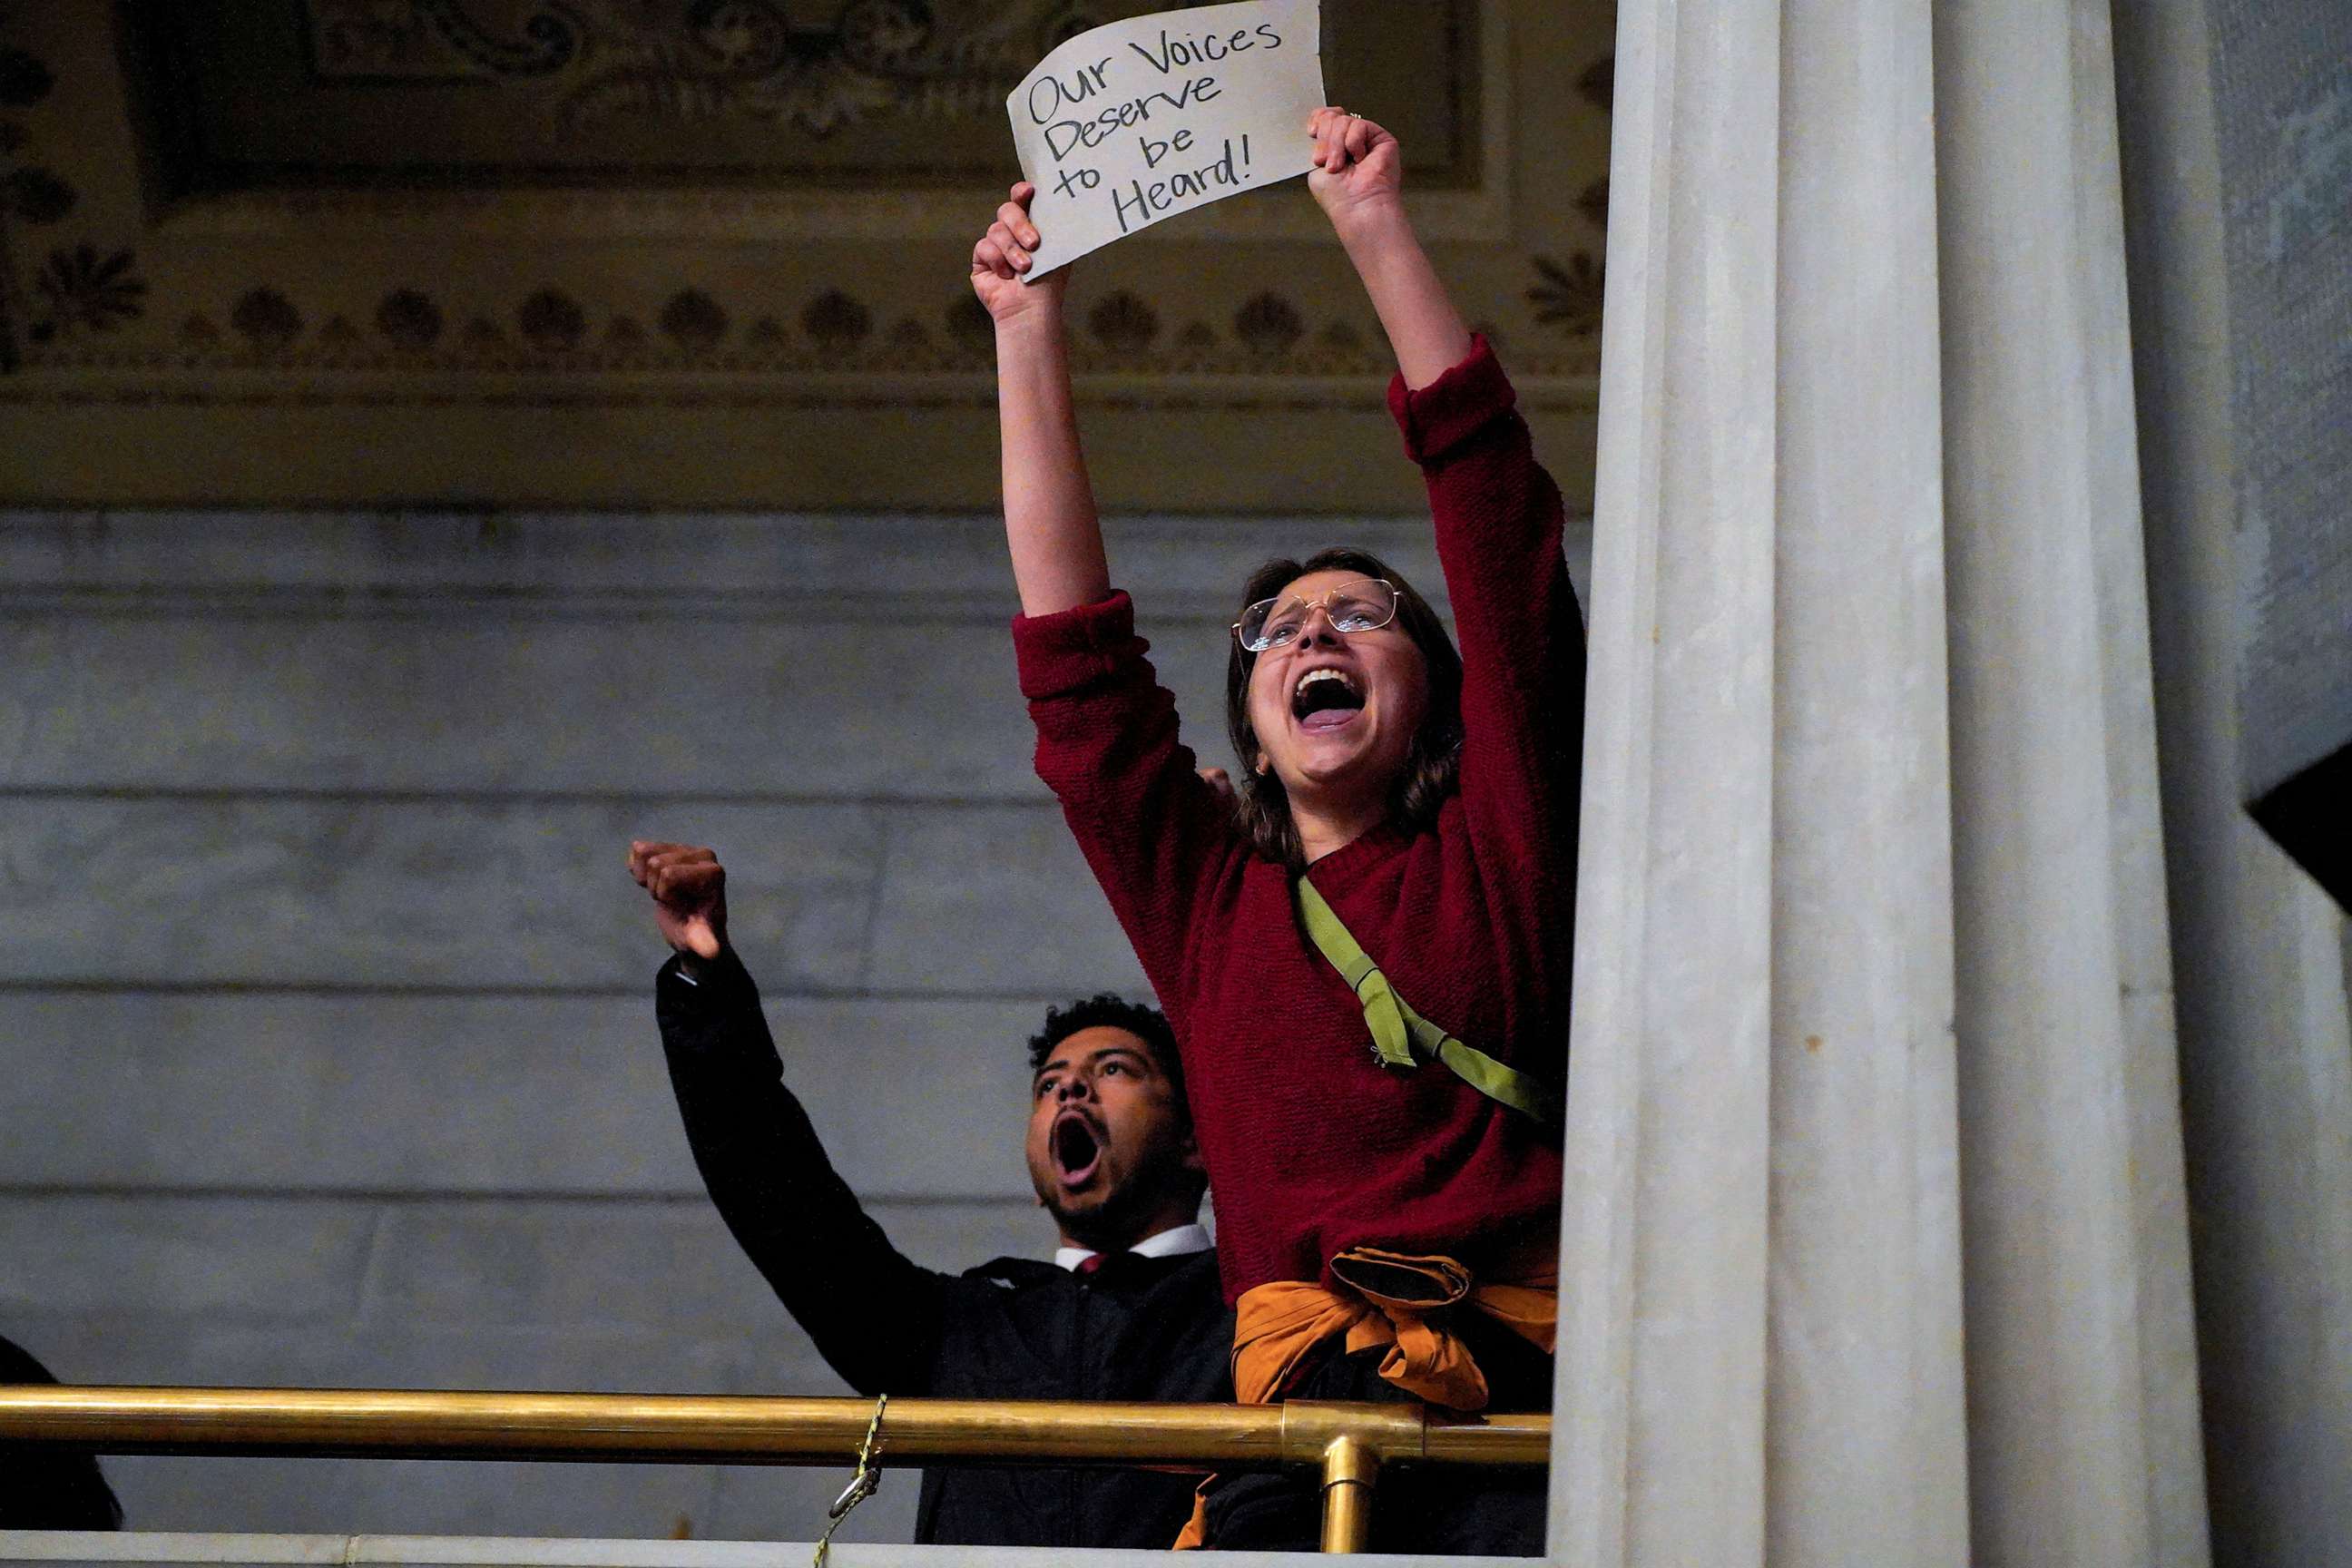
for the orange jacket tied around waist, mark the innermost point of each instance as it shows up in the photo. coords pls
(1389, 1299)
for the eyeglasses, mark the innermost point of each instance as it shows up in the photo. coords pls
(1365, 604)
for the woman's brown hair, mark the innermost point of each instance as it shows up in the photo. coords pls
(1261, 804)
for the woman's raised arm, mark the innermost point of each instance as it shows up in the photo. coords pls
(1050, 523)
(1358, 174)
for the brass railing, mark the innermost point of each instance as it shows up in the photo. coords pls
(1350, 1443)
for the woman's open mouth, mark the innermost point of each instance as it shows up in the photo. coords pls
(1077, 1149)
(1325, 701)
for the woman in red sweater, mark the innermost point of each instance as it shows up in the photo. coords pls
(1387, 1192)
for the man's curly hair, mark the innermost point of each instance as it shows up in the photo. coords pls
(1108, 1009)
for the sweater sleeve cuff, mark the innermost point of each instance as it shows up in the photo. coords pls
(1455, 408)
(1071, 650)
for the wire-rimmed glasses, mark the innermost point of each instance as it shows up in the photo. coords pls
(1364, 605)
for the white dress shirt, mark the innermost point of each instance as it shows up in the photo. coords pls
(1173, 1242)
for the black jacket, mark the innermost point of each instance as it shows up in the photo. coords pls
(43, 1488)
(1139, 1328)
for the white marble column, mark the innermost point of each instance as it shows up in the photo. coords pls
(2082, 1367)
(1871, 927)
(1864, 1440)
(1663, 1263)
(1762, 1335)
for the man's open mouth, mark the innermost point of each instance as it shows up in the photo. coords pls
(1325, 700)
(1077, 1149)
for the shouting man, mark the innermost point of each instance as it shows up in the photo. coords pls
(1131, 1308)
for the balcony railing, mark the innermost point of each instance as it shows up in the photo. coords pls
(1349, 1443)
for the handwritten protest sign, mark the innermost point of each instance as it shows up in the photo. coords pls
(1139, 120)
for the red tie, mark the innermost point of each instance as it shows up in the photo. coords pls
(1091, 1262)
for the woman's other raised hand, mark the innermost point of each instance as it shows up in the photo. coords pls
(1004, 253)
(1050, 524)
(1359, 167)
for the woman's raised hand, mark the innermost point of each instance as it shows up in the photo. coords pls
(1007, 251)
(1359, 167)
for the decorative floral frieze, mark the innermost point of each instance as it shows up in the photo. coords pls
(77, 289)
(85, 290)
(1594, 203)
(67, 298)
(409, 320)
(1568, 297)
(833, 333)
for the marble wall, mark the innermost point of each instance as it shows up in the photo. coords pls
(326, 1040)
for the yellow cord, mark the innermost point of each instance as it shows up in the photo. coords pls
(862, 1485)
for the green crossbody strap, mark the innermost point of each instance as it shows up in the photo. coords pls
(1400, 1037)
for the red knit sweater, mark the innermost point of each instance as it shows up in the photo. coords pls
(1312, 1146)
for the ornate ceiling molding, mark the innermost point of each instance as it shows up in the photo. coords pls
(169, 276)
